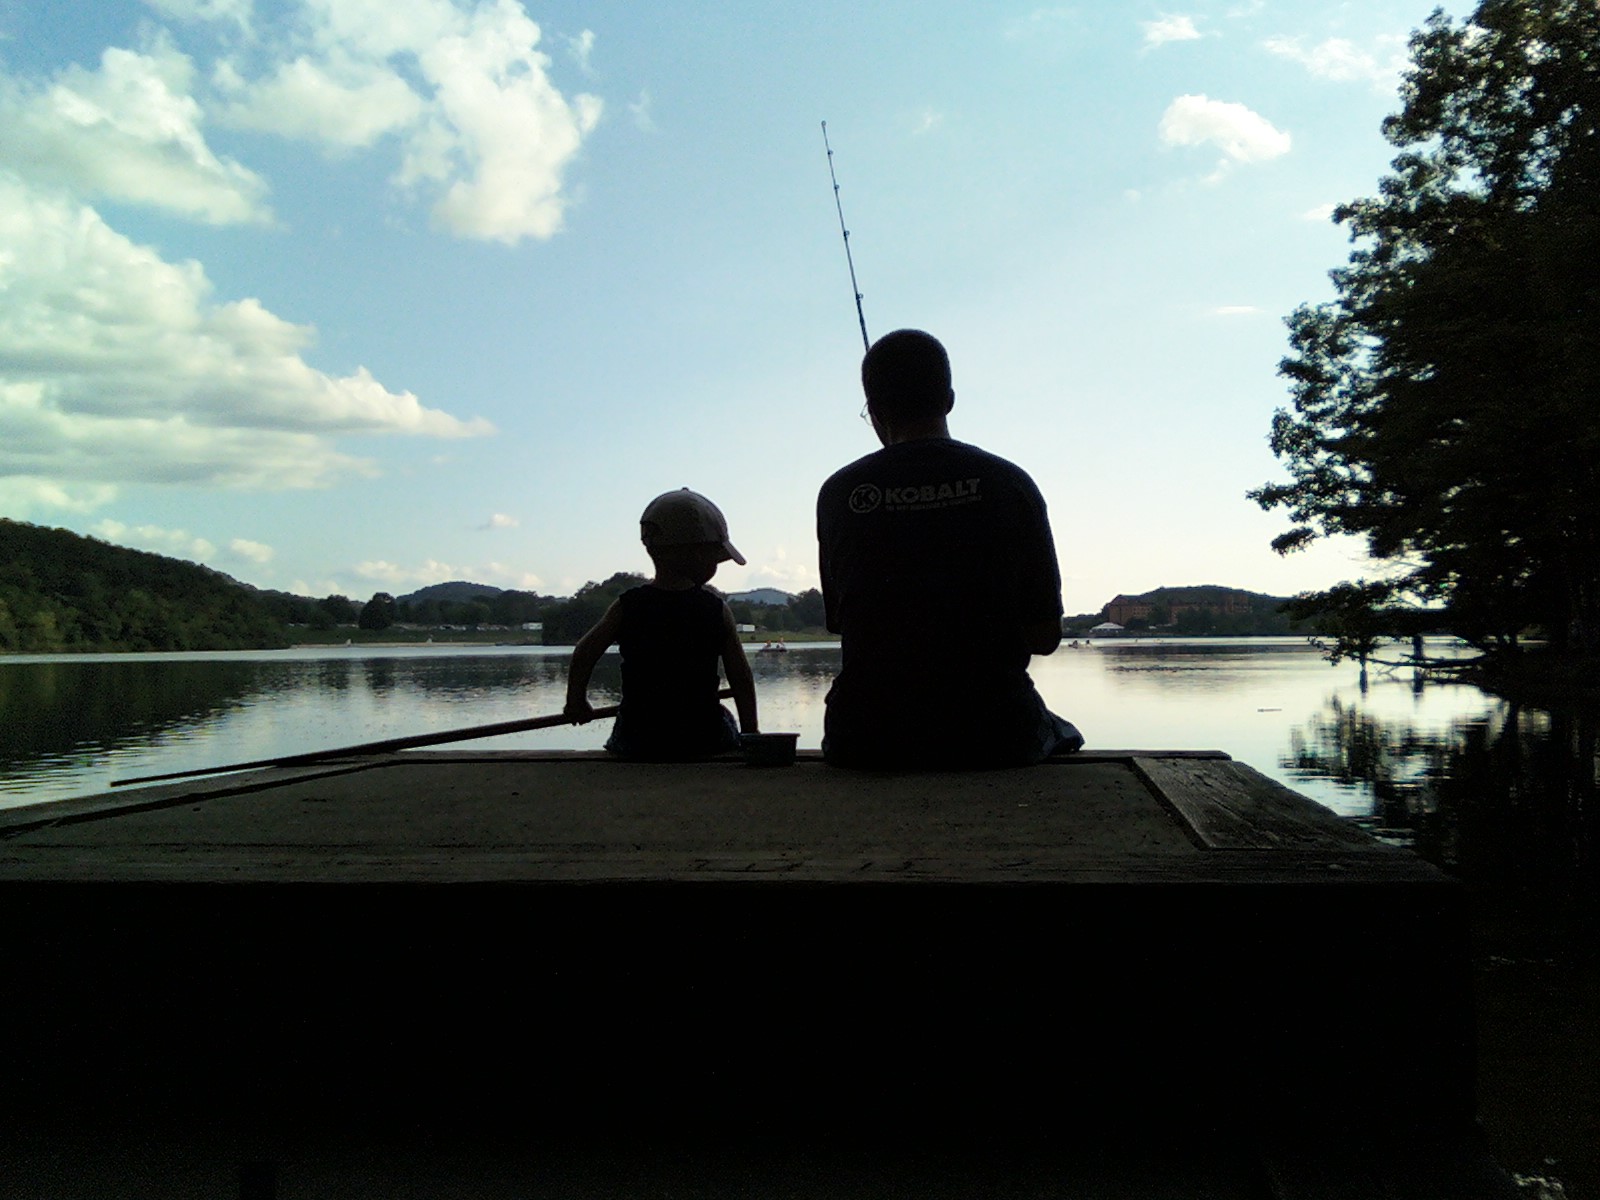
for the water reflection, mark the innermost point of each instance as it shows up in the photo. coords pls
(53, 709)
(1510, 794)
(1508, 801)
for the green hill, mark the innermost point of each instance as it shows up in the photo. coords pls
(1197, 609)
(457, 591)
(60, 591)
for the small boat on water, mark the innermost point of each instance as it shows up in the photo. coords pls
(487, 961)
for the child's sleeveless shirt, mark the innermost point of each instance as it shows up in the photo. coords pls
(671, 643)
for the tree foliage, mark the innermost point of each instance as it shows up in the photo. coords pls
(59, 591)
(565, 623)
(1444, 401)
(803, 611)
(377, 613)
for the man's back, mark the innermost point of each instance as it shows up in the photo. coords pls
(936, 557)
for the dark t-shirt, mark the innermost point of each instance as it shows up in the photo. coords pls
(671, 643)
(935, 556)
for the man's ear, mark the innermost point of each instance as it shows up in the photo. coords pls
(949, 402)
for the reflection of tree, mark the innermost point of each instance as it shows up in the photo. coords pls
(1395, 761)
(1508, 800)
(52, 708)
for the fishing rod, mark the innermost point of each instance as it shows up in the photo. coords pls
(866, 343)
(389, 745)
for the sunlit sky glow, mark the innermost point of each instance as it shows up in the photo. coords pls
(360, 295)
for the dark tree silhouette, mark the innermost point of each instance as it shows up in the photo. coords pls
(1444, 403)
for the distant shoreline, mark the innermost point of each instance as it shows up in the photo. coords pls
(299, 639)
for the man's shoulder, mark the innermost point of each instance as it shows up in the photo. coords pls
(851, 471)
(966, 450)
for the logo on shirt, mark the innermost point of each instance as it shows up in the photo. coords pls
(930, 495)
(865, 498)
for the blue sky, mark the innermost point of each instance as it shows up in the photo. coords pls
(360, 295)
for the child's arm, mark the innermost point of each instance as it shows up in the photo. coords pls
(584, 656)
(737, 668)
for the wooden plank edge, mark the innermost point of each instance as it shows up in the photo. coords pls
(1144, 774)
(28, 818)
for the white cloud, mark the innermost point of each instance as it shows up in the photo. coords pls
(1342, 61)
(404, 578)
(484, 131)
(513, 132)
(640, 111)
(327, 587)
(178, 542)
(383, 571)
(23, 495)
(118, 367)
(929, 120)
(1242, 135)
(580, 48)
(235, 11)
(129, 131)
(256, 552)
(500, 521)
(1319, 212)
(1169, 28)
(337, 101)
(505, 576)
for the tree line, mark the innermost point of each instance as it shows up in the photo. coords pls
(59, 591)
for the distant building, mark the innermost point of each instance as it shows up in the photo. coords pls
(1222, 602)
(1106, 629)
(1123, 609)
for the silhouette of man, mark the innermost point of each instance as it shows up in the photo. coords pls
(939, 574)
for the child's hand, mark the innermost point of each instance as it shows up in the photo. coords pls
(579, 712)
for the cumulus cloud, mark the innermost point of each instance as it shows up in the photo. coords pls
(236, 12)
(500, 521)
(406, 578)
(23, 495)
(485, 134)
(1168, 28)
(178, 542)
(339, 101)
(256, 552)
(1342, 61)
(1319, 212)
(1242, 135)
(128, 131)
(117, 367)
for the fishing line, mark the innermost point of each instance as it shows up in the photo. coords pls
(860, 316)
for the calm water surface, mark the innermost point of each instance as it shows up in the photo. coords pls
(70, 724)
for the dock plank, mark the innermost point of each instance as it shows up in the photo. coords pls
(464, 818)
(1232, 806)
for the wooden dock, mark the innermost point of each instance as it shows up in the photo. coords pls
(1156, 973)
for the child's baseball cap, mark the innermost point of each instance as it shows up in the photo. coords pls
(685, 518)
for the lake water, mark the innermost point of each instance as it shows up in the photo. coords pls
(1505, 797)
(73, 723)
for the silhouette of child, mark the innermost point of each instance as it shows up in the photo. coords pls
(672, 633)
